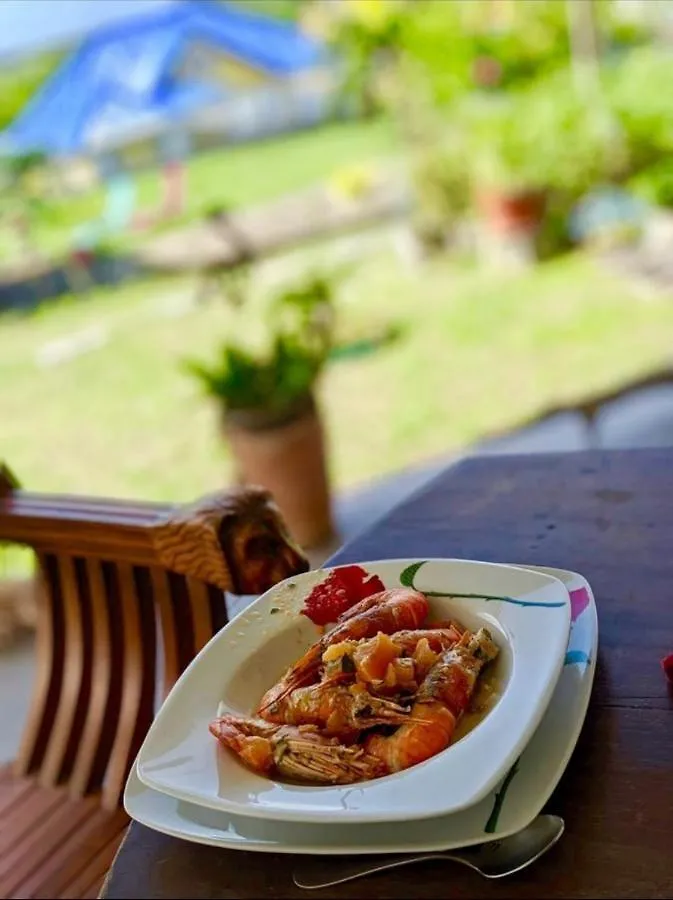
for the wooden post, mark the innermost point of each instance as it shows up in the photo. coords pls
(584, 43)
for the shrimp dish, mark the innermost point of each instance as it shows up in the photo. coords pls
(382, 690)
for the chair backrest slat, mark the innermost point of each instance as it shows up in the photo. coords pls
(137, 672)
(170, 633)
(118, 576)
(50, 660)
(69, 720)
(199, 604)
(89, 768)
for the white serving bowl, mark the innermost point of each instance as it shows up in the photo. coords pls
(530, 622)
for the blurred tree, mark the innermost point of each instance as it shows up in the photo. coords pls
(457, 46)
(426, 61)
(369, 36)
(23, 199)
(400, 53)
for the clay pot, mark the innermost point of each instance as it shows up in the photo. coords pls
(519, 211)
(287, 456)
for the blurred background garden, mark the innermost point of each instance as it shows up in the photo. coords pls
(314, 242)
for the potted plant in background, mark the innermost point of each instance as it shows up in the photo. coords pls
(542, 146)
(269, 412)
(509, 187)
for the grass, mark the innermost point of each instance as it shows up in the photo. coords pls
(480, 352)
(484, 353)
(238, 176)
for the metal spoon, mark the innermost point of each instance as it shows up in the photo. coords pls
(494, 859)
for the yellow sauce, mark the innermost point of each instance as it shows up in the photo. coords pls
(486, 695)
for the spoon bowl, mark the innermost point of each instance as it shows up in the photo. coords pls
(494, 859)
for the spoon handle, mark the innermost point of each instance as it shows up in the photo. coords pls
(312, 878)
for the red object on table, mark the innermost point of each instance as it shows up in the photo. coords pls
(667, 666)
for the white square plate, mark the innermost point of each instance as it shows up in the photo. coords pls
(515, 802)
(528, 614)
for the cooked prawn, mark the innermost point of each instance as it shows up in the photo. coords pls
(338, 709)
(441, 700)
(299, 753)
(388, 612)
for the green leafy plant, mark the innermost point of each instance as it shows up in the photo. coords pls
(545, 137)
(640, 95)
(366, 44)
(655, 183)
(24, 201)
(442, 188)
(530, 40)
(271, 386)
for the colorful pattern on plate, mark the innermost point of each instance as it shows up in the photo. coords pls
(499, 799)
(578, 652)
(407, 579)
(579, 601)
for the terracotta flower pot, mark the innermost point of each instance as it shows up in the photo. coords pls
(519, 211)
(287, 457)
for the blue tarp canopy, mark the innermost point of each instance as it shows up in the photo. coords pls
(123, 76)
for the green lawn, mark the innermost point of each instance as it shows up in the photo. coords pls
(237, 176)
(481, 351)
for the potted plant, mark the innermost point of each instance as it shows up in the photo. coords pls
(508, 184)
(269, 413)
(541, 142)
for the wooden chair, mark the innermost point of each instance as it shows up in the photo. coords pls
(131, 591)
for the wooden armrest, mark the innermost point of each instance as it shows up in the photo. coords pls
(235, 540)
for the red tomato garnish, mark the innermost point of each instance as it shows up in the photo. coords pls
(342, 589)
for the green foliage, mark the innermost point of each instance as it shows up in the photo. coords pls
(273, 383)
(655, 183)
(243, 381)
(364, 46)
(442, 186)
(437, 47)
(546, 136)
(499, 77)
(618, 33)
(441, 45)
(24, 200)
(640, 93)
(533, 41)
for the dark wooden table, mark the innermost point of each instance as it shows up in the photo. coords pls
(606, 515)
